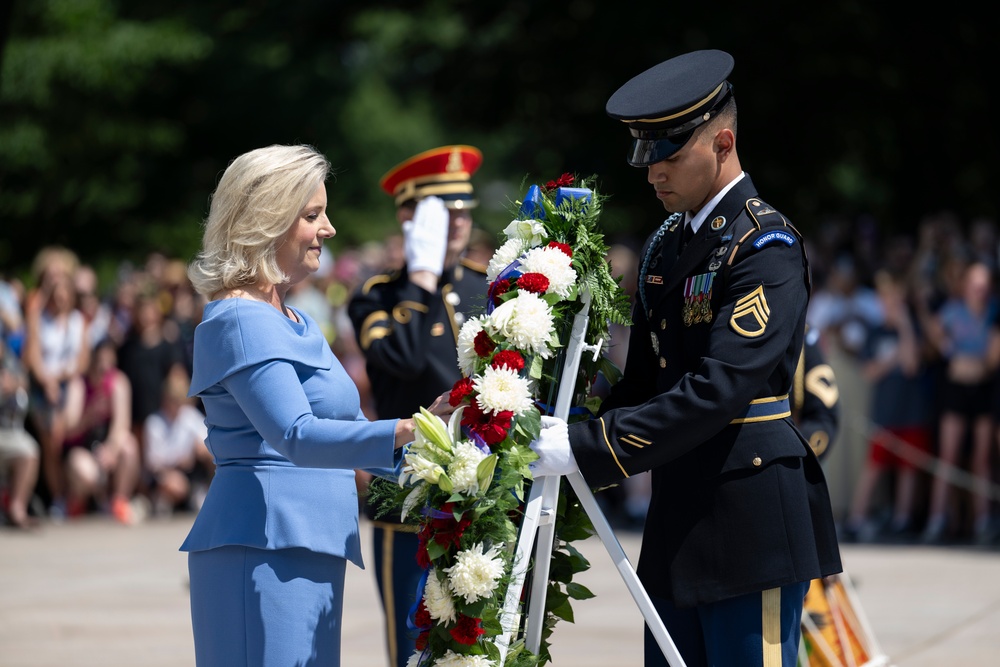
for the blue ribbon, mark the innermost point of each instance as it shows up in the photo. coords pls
(437, 514)
(532, 207)
(569, 194)
(420, 596)
(512, 272)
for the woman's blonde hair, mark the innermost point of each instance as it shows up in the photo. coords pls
(258, 198)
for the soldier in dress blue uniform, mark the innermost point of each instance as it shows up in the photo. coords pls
(407, 325)
(740, 519)
(815, 397)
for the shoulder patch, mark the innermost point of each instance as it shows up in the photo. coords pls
(774, 236)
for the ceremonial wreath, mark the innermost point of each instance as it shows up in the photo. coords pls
(464, 481)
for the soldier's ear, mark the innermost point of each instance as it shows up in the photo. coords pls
(724, 143)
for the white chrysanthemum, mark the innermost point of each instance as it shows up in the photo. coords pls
(462, 469)
(467, 356)
(414, 659)
(452, 659)
(554, 265)
(525, 321)
(532, 232)
(438, 600)
(475, 574)
(505, 254)
(503, 389)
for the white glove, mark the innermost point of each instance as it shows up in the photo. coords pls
(555, 456)
(425, 238)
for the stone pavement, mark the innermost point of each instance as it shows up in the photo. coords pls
(93, 593)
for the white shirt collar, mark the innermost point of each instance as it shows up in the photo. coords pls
(707, 209)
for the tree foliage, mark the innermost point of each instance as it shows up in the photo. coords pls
(117, 118)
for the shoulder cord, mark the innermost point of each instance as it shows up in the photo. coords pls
(653, 244)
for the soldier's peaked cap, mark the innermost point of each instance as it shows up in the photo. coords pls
(664, 105)
(442, 172)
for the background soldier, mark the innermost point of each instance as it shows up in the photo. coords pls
(407, 325)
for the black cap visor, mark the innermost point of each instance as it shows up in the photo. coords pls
(645, 152)
(654, 144)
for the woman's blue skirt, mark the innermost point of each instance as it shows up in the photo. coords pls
(266, 608)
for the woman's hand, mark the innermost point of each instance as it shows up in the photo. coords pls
(405, 427)
(441, 407)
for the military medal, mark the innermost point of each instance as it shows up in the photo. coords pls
(697, 299)
(686, 314)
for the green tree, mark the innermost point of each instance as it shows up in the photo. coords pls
(73, 147)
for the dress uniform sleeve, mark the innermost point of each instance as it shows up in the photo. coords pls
(641, 364)
(392, 323)
(816, 397)
(760, 322)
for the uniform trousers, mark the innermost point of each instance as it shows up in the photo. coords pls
(752, 630)
(394, 548)
(266, 608)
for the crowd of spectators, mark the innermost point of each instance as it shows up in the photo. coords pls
(94, 415)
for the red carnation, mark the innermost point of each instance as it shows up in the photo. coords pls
(421, 642)
(422, 617)
(484, 344)
(423, 558)
(512, 359)
(498, 289)
(467, 630)
(533, 282)
(562, 246)
(447, 531)
(491, 428)
(459, 391)
(563, 181)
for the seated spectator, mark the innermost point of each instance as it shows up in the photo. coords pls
(11, 314)
(146, 357)
(55, 352)
(102, 456)
(18, 449)
(177, 464)
(96, 311)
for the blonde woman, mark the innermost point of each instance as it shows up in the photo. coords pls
(268, 549)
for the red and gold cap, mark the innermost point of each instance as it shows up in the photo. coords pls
(441, 172)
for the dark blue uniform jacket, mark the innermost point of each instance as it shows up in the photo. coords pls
(739, 501)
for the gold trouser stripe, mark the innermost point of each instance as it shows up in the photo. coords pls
(388, 599)
(604, 430)
(799, 382)
(770, 607)
(395, 527)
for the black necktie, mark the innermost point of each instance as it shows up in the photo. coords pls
(686, 236)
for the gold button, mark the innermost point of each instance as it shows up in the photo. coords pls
(757, 461)
(663, 362)
(663, 324)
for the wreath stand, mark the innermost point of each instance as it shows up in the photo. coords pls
(539, 523)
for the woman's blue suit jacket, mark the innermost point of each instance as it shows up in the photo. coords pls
(286, 429)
